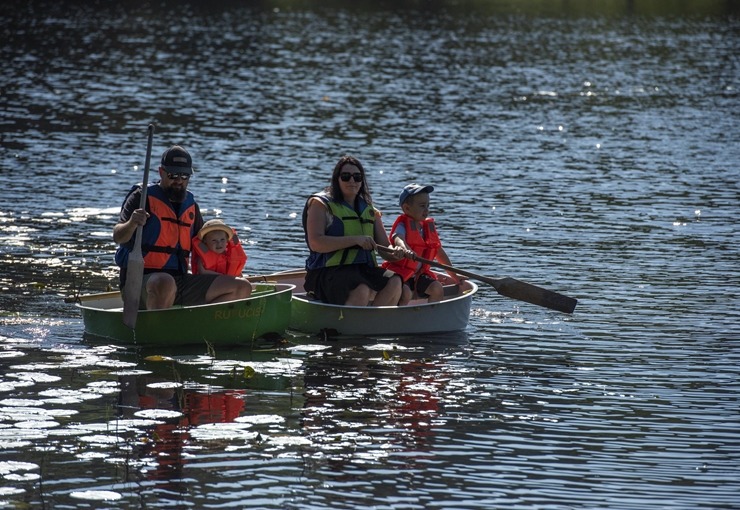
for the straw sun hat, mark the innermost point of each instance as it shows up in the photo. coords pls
(211, 225)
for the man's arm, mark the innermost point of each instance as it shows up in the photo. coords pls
(130, 218)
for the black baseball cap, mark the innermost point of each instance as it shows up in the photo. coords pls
(413, 189)
(176, 160)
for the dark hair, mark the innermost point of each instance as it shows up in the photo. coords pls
(336, 192)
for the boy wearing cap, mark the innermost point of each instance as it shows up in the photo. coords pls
(414, 230)
(170, 220)
(217, 250)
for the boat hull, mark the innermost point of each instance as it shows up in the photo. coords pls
(420, 317)
(242, 321)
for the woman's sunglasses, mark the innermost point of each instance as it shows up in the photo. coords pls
(346, 176)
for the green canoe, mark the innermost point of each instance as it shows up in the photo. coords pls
(266, 312)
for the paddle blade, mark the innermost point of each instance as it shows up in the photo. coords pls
(529, 293)
(509, 287)
(132, 289)
(135, 265)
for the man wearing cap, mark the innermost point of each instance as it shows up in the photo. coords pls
(170, 221)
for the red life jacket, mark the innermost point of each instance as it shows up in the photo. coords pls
(426, 247)
(231, 262)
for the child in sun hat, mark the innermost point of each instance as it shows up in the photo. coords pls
(216, 249)
(414, 230)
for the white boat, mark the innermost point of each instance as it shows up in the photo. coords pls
(418, 317)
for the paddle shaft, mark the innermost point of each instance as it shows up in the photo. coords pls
(287, 275)
(135, 264)
(510, 287)
(92, 297)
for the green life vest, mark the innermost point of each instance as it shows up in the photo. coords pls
(345, 222)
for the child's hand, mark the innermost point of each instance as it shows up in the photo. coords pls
(398, 253)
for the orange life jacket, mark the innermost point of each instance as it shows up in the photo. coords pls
(426, 246)
(231, 262)
(173, 235)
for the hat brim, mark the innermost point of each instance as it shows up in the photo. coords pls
(406, 194)
(178, 170)
(206, 230)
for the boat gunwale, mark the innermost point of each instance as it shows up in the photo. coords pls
(303, 296)
(280, 288)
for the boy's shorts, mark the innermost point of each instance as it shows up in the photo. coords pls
(420, 284)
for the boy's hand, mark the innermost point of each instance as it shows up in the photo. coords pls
(398, 253)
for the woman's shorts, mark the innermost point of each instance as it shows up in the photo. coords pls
(333, 284)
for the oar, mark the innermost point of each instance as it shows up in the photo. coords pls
(511, 288)
(92, 297)
(135, 267)
(285, 275)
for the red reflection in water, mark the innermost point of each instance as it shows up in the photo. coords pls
(166, 441)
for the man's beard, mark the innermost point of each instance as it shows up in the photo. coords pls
(176, 195)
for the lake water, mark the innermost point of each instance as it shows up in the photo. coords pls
(591, 150)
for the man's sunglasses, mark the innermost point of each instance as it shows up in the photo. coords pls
(346, 176)
(172, 177)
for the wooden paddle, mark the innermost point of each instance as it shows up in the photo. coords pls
(511, 288)
(135, 267)
(92, 297)
(286, 275)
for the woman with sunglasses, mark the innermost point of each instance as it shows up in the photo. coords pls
(170, 221)
(342, 230)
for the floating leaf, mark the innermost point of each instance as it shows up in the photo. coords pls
(249, 372)
(157, 357)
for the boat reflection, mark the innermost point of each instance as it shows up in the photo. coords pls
(174, 411)
(369, 397)
(362, 398)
